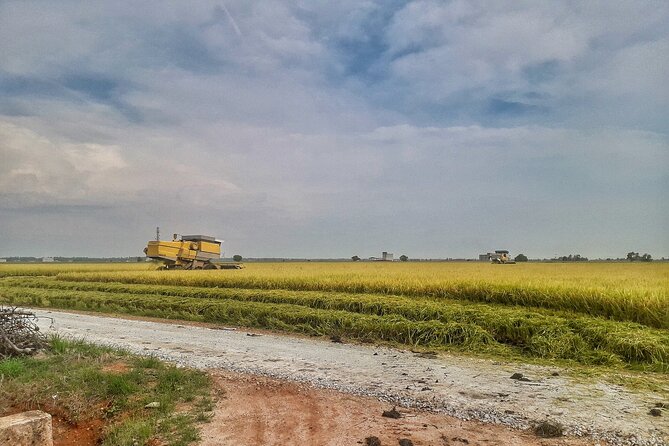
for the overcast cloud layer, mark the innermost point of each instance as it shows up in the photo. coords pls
(328, 129)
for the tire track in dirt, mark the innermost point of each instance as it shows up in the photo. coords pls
(261, 411)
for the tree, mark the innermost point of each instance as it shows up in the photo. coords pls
(355, 258)
(520, 258)
(573, 258)
(404, 258)
(635, 257)
(237, 258)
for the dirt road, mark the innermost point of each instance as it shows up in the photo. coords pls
(465, 388)
(261, 411)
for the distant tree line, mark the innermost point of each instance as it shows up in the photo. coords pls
(635, 257)
(573, 258)
(75, 259)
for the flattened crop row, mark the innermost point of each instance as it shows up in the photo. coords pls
(647, 309)
(475, 326)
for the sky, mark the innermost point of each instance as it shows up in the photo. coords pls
(318, 129)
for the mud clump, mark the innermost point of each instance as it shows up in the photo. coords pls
(372, 441)
(519, 377)
(406, 442)
(393, 413)
(549, 429)
(655, 412)
(336, 338)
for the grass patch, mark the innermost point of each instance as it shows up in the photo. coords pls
(81, 382)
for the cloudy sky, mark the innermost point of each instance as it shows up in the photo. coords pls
(328, 129)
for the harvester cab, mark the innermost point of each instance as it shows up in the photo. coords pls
(188, 252)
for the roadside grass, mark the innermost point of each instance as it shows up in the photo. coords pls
(81, 382)
(511, 332)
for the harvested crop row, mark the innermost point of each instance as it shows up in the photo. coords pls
(507, 325)
(417, 308)
(647, 308)
(475, 327)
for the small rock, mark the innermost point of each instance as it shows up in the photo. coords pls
(372, 441)
(549, 429)
(393, 413)
(406, 442)
(520, 377)
(152, 405)
(655, 412)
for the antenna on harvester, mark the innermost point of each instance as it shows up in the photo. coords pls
(157, 233)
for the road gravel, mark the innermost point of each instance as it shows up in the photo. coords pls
(463, 387)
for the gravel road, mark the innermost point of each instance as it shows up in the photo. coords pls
(462, 387)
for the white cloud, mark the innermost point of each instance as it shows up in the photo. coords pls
(319, 127)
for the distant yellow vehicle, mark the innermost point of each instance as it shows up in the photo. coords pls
(188, 252)
(501, 257)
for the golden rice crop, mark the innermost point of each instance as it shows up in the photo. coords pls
(620, 291)
(51, 269)
(589, 313)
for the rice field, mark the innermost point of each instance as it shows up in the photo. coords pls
(614, 314)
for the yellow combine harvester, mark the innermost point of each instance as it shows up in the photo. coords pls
(188, 252)
(501, 257)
